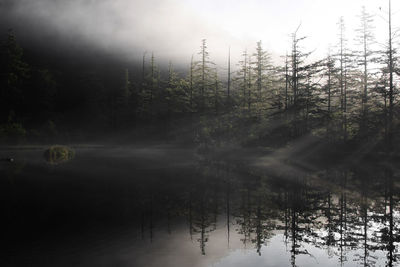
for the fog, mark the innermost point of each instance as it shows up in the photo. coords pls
(173, 29)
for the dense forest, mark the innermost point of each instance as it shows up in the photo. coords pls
(347, 100)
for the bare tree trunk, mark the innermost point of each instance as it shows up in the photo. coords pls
(286, 83)
(191, 85)
(229, 79)
(390, 135)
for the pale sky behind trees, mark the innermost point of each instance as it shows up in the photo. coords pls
(173, 29)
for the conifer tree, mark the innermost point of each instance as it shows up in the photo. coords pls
(365, 39)
(14, 72)
(203, 75)
(217, 88)
(176, 95)
(262, 69)
(242, 78)
(391, 72)
(330, 91)
(152, 86)
(191, 84)
(343, 60)
(229, 101)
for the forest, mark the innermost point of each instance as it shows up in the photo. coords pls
(145, 133)
(347, 101)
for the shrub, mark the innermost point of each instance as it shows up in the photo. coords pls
(12, 132)
(58, 154)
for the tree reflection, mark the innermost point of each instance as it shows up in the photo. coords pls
(350, 212)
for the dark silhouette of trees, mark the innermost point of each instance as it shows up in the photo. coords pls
(203, 75)
(14, 73)
(365, 39)
(338, 100)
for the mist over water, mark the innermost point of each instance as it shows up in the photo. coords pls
(199, 133)
(157, 205)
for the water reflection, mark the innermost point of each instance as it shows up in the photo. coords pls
(207, 213)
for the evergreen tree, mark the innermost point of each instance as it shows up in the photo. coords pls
(330, 90)
(365, 39)
(229, 100)
(14, 73)
(177, 97)
(203, 76)
(262, 68)
(242, 78)
(150, 94)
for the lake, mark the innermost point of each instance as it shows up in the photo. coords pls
(168, 206)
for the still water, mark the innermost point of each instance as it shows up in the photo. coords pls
(163, 206)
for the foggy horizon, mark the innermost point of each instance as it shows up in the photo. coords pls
(173, 30)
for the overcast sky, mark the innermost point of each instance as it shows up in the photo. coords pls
(173, 29)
